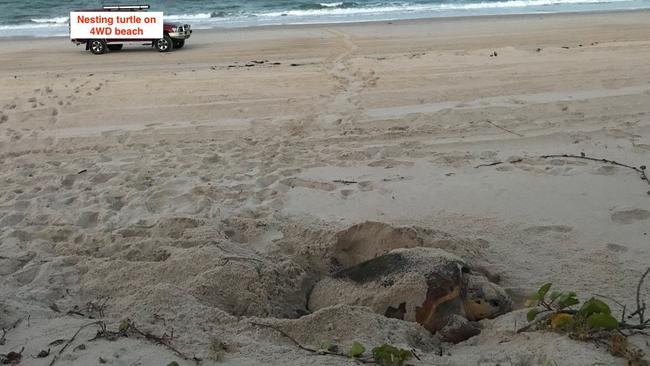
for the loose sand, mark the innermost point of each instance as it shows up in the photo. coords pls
(200, 191)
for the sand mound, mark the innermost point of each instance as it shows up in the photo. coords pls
(238, 284)
(343, 324)
(367, 240)
(325, 249)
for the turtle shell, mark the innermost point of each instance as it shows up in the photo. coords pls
(416, 284)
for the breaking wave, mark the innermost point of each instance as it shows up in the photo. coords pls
(267, 12)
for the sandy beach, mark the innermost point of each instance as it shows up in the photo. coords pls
(206, 190)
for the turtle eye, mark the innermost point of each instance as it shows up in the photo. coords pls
(464, 269)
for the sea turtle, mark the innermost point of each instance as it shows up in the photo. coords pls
(425, 285)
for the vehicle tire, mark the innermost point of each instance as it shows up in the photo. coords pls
(115, 47)
(179, 43)
(165, 44)
(98, 46)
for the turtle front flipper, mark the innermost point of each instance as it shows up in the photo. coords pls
(442, 298)
(459, 329)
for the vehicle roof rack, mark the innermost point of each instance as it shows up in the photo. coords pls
(126, 7)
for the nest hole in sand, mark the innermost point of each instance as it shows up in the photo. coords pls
(225, 268)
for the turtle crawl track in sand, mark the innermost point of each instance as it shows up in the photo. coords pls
(425, 285)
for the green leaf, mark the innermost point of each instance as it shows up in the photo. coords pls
(554, 295)
(532, 314)
(387, 355)
(566, 300)
(328, 346)
(124, 325)
(173, 363)
(593, 306)
(543, 290)
(602, 320)
(356, 350)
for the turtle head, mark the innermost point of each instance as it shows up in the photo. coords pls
(484, 299)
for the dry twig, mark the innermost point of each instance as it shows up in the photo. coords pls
(640, 170)
(74, 336)
(3, 337)
(314, 351)
(488, 164)
(97, 306)
(127, 326)
(345, 182)
(163, 340)
(503, 128)
(640, 304)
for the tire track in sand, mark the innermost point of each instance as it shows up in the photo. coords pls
(344, 106)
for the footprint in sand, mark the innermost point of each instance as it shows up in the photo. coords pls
(15, 263)
(267, 180)
(11, 220)
(641, 148)
(548, 228)
(13, 135)
(366, 186)
(298, 182)
(68, 180)
(390, 163)
(620, 134)
(617, 248)
(88, 219)
(164, 202)
(630, 216)
(606, 170)
(345, 193)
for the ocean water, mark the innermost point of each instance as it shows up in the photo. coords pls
(44, 18)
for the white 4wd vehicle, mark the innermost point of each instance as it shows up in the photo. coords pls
(174, 35)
